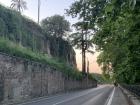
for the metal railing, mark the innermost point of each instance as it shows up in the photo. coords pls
(135, 89)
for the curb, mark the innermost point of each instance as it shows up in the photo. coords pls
(133, 99)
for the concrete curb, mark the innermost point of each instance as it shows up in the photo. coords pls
(133, 99)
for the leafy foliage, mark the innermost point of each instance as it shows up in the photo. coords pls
(19, 29)
(101, 79)
(82, 38)
(56, 26)
(120, 30)
(19, 5)
(117, 27)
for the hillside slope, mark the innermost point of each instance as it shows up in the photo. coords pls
(22, 30)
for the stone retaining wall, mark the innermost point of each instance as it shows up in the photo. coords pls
(21, 79)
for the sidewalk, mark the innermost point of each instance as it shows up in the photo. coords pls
(132, 98)
(119, 98)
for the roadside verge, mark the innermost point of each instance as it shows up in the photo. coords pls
(132, 98)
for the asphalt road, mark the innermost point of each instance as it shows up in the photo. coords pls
(95, 96)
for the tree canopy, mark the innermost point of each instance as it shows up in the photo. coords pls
(19, 5)
(116, 24)
(56, 26)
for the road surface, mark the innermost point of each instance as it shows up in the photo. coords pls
(102, 95)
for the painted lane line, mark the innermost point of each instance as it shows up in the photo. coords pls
(110, 97)
(76, 97)
(47, 98)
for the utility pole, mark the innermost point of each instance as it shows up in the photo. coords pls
(39, 11)
(19, 6)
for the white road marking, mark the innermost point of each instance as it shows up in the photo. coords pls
(46, 98)
(75, 97)
(110, 98)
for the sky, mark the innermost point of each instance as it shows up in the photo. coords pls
(50, 8)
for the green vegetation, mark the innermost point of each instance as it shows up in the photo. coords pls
(101, 79)
(19, 5)
(18, 29)
(21, 30)
(23, 38)
(116, 24)
(82, 39)
(120, 41)
(56, 26)
(8, 47)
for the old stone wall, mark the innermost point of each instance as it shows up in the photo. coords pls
(58, 47)
(21, 79)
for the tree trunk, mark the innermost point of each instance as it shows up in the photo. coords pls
(83, 55)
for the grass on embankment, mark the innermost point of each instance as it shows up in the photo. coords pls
(13, 49)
